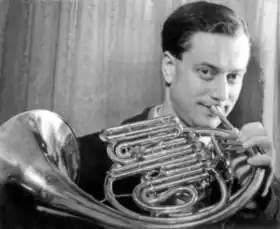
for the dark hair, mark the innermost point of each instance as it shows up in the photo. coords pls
(198, 17)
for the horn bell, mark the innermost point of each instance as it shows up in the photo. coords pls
(39, 151)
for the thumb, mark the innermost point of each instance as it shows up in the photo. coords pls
(236, 130)
(263, 161)
(268, 183)
(260, 161)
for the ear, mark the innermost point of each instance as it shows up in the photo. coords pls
(168, 67)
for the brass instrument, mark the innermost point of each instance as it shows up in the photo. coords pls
(39, 151)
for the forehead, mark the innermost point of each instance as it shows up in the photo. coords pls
(223, 51)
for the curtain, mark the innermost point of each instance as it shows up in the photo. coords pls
(268, 33)
(97, 62)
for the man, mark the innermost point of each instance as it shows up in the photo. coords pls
(206, 49)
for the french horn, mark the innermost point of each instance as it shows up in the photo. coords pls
(39, 151)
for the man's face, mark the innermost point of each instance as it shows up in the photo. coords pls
(210, 73)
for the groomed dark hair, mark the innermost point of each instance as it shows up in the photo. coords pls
(195, 17)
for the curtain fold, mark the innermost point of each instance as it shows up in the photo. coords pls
(277, 95)
(269, 37)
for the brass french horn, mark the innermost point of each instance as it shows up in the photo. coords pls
(39, 151)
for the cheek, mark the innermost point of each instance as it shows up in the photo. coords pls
(180, 94)
(184, 89)
(187, 87)
(234, 93)
(184, 94)
(188, 82)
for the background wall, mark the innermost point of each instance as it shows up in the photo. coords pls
(96, 62)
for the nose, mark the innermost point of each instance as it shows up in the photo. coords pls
(220, 89)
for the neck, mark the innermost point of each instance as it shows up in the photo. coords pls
(167, 108)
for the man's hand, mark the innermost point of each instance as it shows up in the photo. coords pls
(250, 135)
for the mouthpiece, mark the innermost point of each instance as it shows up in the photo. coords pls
(214, 110)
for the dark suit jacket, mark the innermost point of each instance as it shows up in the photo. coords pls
(17, 206)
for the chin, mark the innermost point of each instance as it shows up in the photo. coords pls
(208, 123)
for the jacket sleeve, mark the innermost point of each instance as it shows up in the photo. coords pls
(94, 164)
(269, 206)
(267, 211)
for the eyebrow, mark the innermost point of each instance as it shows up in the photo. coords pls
(220, 69)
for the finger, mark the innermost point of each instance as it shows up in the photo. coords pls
(239, 166)
(246, 178)
(251, 129)
(268, 183)
(238, 161)
(266, 162)
(262, 160)
(236, 131)
(262, 141)
(243, 169)
(242, 173)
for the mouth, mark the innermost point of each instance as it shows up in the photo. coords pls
(205, 105)
(219, 108)
(209, 113)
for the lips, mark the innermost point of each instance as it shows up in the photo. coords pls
(220, 109)
(207, 108)
(204, 105)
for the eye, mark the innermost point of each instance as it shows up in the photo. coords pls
(205, 73)
(234, 78)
